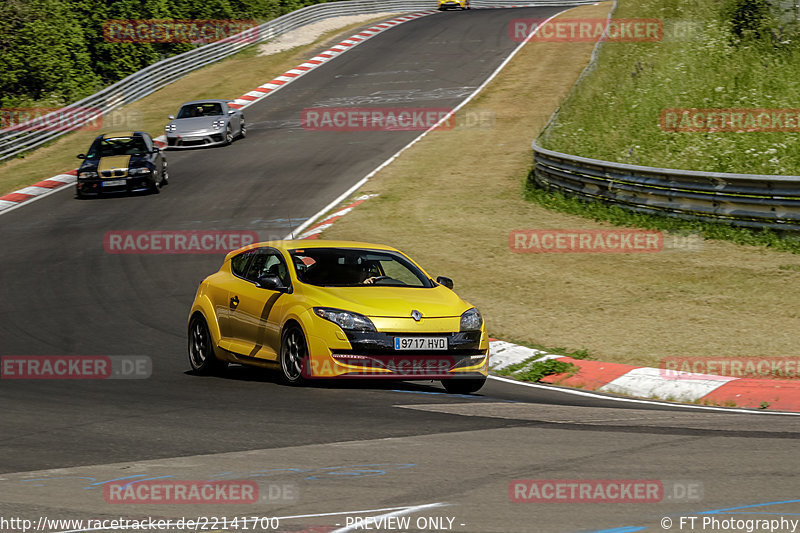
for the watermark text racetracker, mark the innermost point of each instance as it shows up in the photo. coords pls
(179, 31)
(176, 242)
(687, 368)
(599, 241)
(16, 119)
(587, 30)
(194, 524)
(75, 367)
(604, 491)
(19, 119)
(393, 118)
(177, 492)
(723, 120)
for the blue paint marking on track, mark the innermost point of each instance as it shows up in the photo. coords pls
(719, 511)
(725, 511)
(627, 529)
(308, 473)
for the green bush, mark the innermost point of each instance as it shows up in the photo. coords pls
(54, 52)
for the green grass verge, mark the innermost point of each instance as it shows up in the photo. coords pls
(532, 369)
(724, 58)
(582, 353)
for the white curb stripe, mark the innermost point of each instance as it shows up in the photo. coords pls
(654, 383)
(503, 354)
(64, 178)
(586, 394)
(32, 191)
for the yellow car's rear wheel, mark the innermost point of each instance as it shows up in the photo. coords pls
(294, 355)
(201, 348)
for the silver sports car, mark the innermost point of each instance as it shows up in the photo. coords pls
(205, 123)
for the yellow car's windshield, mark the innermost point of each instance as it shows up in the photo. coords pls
(350, 267)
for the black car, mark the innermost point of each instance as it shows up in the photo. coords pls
(121, 162)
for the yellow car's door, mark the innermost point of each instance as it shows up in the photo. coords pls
(255, 312)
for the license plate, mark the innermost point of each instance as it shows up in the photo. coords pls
(420, 343)
(113, 183)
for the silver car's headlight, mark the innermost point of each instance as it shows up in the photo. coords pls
(87, 175)
(138, 171)
(471, 320)
(170, 128)
(345, 319)
(218, 124)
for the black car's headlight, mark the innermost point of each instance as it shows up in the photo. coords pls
(345, 319)
(471, 320)
(87, 175)
(138, 171)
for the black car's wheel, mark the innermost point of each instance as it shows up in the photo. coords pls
(164, 175)
(228, 135)
(243, 129)
(294, 356)
(201, 349)
(463, 386)
(155, 187)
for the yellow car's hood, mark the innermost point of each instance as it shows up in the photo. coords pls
(436, 302)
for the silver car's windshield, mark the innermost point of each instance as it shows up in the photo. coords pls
(211, 109)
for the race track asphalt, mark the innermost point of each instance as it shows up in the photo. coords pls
(62, 294)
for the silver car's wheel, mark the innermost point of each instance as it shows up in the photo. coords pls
(294, 356)
(243, 130)
(228, 135)
(201, 349)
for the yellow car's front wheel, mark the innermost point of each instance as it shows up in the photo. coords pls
(294, 355)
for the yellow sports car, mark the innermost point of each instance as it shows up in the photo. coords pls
(335, 309)
(447, 4)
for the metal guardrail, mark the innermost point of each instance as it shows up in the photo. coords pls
(24, 137)
(750, 200)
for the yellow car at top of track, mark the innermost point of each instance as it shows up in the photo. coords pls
(448, 4)
(336, 309)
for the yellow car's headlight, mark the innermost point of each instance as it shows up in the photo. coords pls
(471, 320)
(345, 319)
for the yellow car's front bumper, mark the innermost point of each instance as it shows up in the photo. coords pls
(335, 354)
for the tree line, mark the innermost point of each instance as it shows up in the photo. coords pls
(53, 52)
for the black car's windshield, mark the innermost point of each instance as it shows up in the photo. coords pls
(211, 109)
(117, 146)
(349, 267)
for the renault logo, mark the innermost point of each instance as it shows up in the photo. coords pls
(416, 315)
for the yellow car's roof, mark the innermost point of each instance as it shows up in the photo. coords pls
(305, 244)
